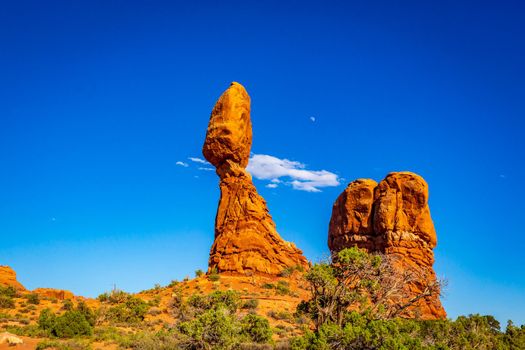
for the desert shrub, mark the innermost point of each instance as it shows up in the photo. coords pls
(70, 324)
(132, 310)
(33, 299)
(29, 330)
(370, 283)
(67, 304)
(199, 273)
(281, 315)
(256, 328)
(213, 329)
(282, 288)
(230, 300)
(287, 272)
(58, 345)
(473, 332)
(214, 277)
(8, 291)
(46, 320)
(251, 304)
(6, 302)
(268, 286)
(89, 314)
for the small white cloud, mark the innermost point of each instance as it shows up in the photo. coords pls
(272, 185)
(53, 219)
(198, 160)
(502, 176)
(312, 119)
(182, 164)
(206, 169)
(266, 167)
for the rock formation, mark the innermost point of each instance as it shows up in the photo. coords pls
(8, 278)
(245, 236)
(58, 294)
(391, 217)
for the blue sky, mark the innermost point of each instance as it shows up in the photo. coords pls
(99, 100)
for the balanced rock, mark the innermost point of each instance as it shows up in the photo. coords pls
(391, 217)
(246, 239)
(8, 278)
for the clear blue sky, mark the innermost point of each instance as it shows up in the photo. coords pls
(100, 99)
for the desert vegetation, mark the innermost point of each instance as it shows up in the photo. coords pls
(346, 309)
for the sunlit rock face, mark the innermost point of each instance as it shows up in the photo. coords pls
(246, 239)
(8, 278)
(391, 217)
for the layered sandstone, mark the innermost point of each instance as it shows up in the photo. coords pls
(58, 294)
(246, 239)
(8, 278)
(391, 217)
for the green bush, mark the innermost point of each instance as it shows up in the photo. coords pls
(89, 314)
(251, 304)
(213, 329)
(33, 299)
(133, 310)
(8, 291)
(268, 286)
(473, 332)
(256, 328)
(230, 300)
(67, 305)
(58, 345)
(6, 302)
(199, 273)
(214, 277)
(71, 324)
(287, 272)
(282, 288)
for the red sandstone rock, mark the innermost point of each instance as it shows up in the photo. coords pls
(8, 278)
(393, 218)
(245, 236)
(54, 293)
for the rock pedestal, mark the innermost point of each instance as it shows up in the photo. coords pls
(245, 236)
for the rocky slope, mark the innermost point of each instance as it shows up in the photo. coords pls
(393, 218)
(246, 239)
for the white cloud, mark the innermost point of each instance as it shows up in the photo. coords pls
(272, 185)
(198, 160)
(265, 167)
(312, 119)
(206, 169)
(182, 164)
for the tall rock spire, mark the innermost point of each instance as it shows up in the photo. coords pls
(245, 236)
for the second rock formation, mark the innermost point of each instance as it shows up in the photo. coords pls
(392, 218)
